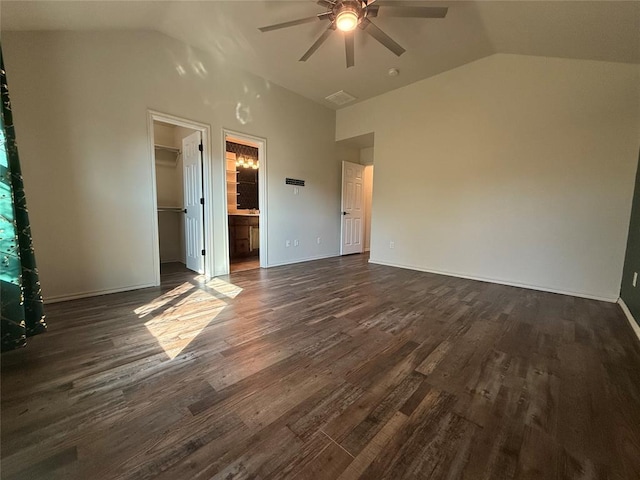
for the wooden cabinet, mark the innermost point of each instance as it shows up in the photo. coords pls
(244, 234)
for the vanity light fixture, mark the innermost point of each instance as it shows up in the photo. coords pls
(247, 163)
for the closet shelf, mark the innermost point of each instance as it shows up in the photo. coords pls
(173, 152)
(170, 209)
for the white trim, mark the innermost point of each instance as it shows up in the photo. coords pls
(302, 260)
(155, 236)
(205, 130)
(262, 191)
(500, 282)
(632, 321)
(95, 293)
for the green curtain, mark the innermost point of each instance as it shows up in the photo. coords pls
(20, 295)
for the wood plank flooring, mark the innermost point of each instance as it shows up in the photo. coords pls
(334, 369)
(241, 264)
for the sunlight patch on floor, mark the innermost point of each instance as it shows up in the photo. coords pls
(178, 324)
(227, 289)
(163, 299)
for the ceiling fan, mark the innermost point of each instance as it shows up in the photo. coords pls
(346, 15)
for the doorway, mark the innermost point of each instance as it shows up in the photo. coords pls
(179, 171)
(352, 229)
(357, 195)
(357, 158)
(245, 171)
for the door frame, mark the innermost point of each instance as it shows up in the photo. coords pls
(205, 130)
(262, 191)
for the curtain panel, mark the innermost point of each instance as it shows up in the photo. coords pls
(20, 294)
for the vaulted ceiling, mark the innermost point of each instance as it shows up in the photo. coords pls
(592, 30)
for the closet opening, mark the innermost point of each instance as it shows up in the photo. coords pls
(244, 169)
(179, 165)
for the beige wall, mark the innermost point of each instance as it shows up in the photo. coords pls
(521, 171)
(366, 156)
(347, 153)
(80, 105)
(164, 134)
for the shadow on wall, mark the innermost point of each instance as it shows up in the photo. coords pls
(188, 63)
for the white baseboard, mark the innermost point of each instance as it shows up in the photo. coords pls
(302, 260)
(630, 319)
(501, 282)
(94, 293)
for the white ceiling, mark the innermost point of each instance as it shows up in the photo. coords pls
(596, 30)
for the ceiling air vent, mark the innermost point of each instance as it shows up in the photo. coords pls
(340, 98)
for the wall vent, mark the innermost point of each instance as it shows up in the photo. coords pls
(340, 98)
(294, 181)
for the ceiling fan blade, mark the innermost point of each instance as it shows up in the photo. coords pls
(372, 11)
(382, 37)
(325, 3)
(393, 10)
(291, 23)
(317, 44)
(350, 49)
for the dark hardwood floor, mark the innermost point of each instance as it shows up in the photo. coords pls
(325, 370)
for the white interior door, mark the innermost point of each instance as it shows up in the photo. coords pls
(352, 208)
(193, 202)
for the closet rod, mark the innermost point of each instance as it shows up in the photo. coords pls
(166, 147)
(171, 209)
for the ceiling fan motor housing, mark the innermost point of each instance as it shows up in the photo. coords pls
(348, 14)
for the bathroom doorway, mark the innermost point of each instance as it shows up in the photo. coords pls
(245, 171)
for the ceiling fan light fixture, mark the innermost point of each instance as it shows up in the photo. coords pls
(347, 19)
(347, 15)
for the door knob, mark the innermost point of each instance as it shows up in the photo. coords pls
(344, 213)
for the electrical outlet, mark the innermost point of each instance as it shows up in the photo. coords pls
(296, 190)
(318, 240)
(287, 243)
(392, 244)
(296, 243)
(635, 278)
